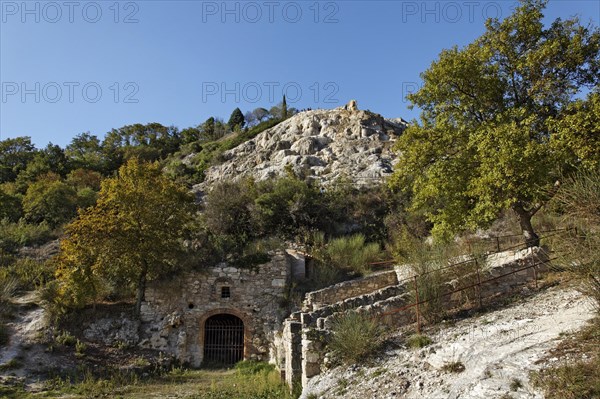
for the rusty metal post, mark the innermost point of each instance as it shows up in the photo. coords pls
(478, 284)
(535, 276)
(497, 244)
(418, 311)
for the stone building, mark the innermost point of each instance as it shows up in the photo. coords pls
(221, 314)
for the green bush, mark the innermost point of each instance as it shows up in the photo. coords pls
(66, 339)
(354, 338)
(352, 253)
(418, 341)
(16, 235)
(340, 258)
(29, 273)
(287, 205)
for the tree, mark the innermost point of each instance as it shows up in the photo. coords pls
(191, 135)
(10, 206)
(51, 159)
(250, 119)
(214, 129)
(236, 119)
(284, 109)
(15, 154)
(51, 200)
(483, 143)
(85, 151)
(577, 134)
(260, 114)
(133, 234)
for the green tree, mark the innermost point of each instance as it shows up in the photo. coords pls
(208, 129)
(51, 159)
(236, 119)
(576, 135)
(287, 205)
(51, 200)
(260, 114)
(284, 109)
(483, 143)
(15, 154)
(135, 233)
(85, 151)
(10, 206)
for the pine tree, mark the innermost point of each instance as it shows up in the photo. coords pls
(236, 119)
(284, 109)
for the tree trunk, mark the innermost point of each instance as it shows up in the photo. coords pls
(531, 238)
(141, 289)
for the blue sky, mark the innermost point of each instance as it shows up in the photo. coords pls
(71, 67)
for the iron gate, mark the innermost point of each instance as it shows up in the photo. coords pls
(223, 340)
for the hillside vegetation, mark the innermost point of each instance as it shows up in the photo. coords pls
(507, 143)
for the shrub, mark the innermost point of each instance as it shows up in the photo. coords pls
(453, 367)
(336, 260)
(80, 348)
(354, 338)
(29, 273)
(352, 253)
(16, 235)
(418, 341)
(65, 339)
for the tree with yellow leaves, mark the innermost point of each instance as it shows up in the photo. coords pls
(134, 234)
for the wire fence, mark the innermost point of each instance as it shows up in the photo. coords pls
(477, 248)
(474, 276)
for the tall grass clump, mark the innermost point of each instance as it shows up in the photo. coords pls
(352, 253)
(340, 258)
(578, 200)
(354, 338)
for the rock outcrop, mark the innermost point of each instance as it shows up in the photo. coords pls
(322, 144)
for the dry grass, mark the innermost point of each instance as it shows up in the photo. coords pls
(578, 374)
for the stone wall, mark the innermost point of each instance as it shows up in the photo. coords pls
(499, 277)
(174, 312)
(349, 289)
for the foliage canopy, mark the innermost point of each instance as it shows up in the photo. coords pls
(488, 113)
(133, 234)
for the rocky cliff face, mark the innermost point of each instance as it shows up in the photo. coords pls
(322, 144)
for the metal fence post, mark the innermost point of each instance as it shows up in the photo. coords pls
(478, 283)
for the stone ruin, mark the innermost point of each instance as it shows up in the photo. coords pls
(224, 314)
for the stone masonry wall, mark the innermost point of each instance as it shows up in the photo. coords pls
(174, 312)
(504, 273)
(349, 289)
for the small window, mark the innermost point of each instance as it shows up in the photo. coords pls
(225, 292)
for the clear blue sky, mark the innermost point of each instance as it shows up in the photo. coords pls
(179, 62)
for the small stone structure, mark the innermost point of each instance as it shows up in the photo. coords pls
(175, 313)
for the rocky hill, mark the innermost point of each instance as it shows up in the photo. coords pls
(322, 144)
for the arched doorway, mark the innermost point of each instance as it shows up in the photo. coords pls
(223, 340)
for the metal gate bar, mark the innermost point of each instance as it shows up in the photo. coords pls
(223, 340)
